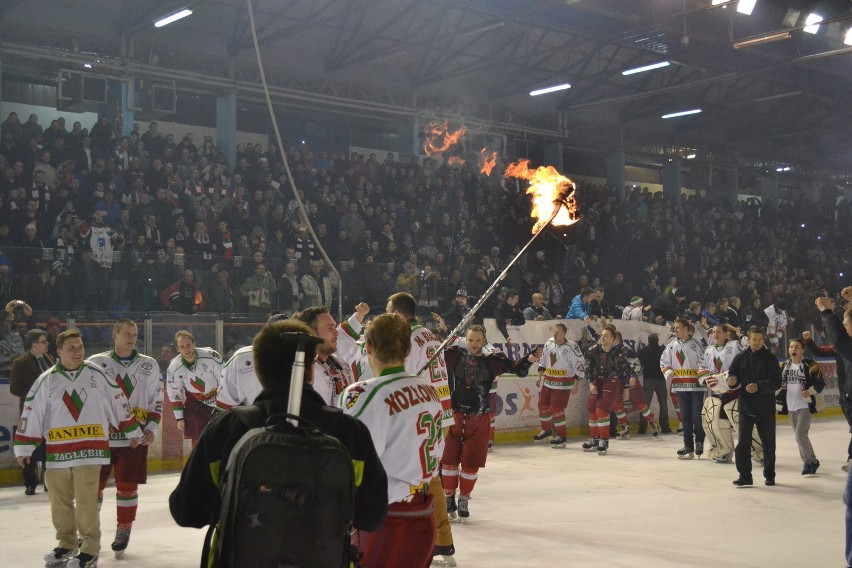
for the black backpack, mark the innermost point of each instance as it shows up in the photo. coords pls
(288, 498)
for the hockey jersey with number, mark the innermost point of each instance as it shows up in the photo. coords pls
(74, 411)
(716, 360)
(238, 385)
(199, 379)
(100, 241)
(139, 380)
(681, 364)
(561, 364)
(403, 414)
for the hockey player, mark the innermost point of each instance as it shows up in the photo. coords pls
(560, 366)
(714, 365)
(634, 392)
(607, 370)
(72, 406)
(471, 372)
(332, 373)
(680, 363)
(403, 414)
(138, 378)
(424, 344)
(192, 383)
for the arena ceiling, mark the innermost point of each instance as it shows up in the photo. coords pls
(477, 60)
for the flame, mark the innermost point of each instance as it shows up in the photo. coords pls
(439, 138)
(550, 190)
(488, 161)
(455, 161)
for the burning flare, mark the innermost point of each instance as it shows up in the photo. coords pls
(488, 161)
(439, 139)
(550, 190)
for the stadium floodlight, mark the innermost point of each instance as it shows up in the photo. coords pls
(812, 23)
(848, 40)
(644, 68)
(682, 113)
(172, 18)
(746, 7)
(552, 89)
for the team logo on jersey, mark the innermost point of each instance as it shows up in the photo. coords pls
(247, 363)
(74, 401)
(126, 384)
(718, 362)
(553, 358)
(352, 396)
(146, 366)
(197, 384)
(681, 357)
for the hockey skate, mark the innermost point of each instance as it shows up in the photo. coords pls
(699, 449)
(685, 453)
(83, 560)
(444, 556)
(490, 446)
(58, 557)
(541, 436)
(464, 512)
(591, 445)
(603, 446)
(451, 507)
(623, 432)
(655, 430)
(558, 442)
(122, 538)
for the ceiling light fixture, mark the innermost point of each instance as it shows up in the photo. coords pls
(552, 89)
(776, 97)
(172, 18)
(682, 113)
(646, 68)
(812, 23)
(766, 38)
(746, 7)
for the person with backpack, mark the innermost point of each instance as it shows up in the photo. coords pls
(404, 416)
(197, 500)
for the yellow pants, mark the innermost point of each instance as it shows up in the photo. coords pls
(74, 506)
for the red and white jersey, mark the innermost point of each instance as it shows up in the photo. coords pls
(73, 411)
(717, 360)
(424, 344)
(238, 385)
(348, 334)
(139, 380)
(360, 365)
(331, 377)
(403, 414)
(199, 379)
(681, 364)
(561, 364)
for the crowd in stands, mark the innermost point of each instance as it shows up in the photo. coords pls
(91, 220)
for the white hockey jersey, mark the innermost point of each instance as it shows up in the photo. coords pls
(777, 321)
(681, 364)
(200, 379)
(100, 241)
(561, 364)
(331, 377)
(403, 414)
(717, 360)
(238, 385)
(73, 411)
(139, 380)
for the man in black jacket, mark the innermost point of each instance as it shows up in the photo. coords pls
(756, 374)
(196, 501)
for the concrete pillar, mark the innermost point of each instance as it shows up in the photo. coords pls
(672, 180)
(554, 156)
(226, 128)
(615, 173)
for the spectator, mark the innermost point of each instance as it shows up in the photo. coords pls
(580, 306)
(507, 312)
(258, 290)
(183, 296)
(317, 286)
(536, 311)
(666, 305)
(634, 309)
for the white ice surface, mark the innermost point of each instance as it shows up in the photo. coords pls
(538, 507)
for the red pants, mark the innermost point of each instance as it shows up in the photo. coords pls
(467, 440)
(551, 409)
(407, 537)
(131, 469)
(608, 399)
(196, 415)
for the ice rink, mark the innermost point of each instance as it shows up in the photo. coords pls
(538, 507)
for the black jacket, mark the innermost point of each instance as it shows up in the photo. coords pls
(759, 367)
(649, 357)
(813, 379)
(196, 500)
(842, 344)
(508, 315)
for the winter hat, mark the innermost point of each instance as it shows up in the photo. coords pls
(635, 301)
